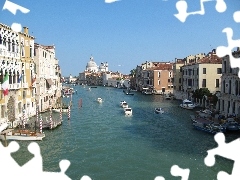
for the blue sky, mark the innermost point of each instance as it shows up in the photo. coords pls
(125, 33)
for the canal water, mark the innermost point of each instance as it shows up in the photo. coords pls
(102, 143)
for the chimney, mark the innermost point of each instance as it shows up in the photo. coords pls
(25, 30)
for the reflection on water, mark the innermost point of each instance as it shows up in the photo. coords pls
(102, 143)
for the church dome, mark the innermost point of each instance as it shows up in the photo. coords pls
(91, 65)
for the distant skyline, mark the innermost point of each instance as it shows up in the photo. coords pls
(125, 33)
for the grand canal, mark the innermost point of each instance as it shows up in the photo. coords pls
(102, 143)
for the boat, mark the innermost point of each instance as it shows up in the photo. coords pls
(168, 97)
(121, 102)
(93, 86)
(21, 135)
(231, 125)
(58, 110)
(147, 91)
(99, 100)
(3, 126)
(159, 110)
(128, 111)
(124, 105)
(210, 127)
(186, 104)
(127, 92)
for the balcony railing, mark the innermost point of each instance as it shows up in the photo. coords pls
(24, 85)
(14, 86)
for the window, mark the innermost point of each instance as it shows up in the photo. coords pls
(219, 70)
(2, 111)
(197, 71)
(158, 74)
(19, 107)
(225, 66)
(217, 83)
(24, 94)
(180, 80)
(30, 52)
(158, 82)
(204, 70)
(168, 80)
(204, 83)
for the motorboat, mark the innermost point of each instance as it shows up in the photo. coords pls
(121, 102)
(231, 125)
(127, 92)
(159, 110)
(99, 100)
(64, 110)
(168, 97)
(210, 127)
(187, 104)
(21, 135)
(124, 105)
(128, 111)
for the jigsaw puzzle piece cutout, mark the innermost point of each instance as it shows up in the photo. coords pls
(227, 150)
(159, 178)
(221, 6)
(236, 16)
(177, 171)
(35, 164)
(7, 163)
(12, 7)
(222, 51)
(85, 178)
(182, 6)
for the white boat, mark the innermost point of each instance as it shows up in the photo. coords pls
(168, 96)
(121, 103)
(159, 110)
(186, 104)
(99, 100)
(3, 127)
(21, 135)
(128, 111)
(58, 110)
(124, 105)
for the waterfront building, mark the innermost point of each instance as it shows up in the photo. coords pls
(94, 78)
(229, 98)
(103, 67)
(163, 78)
(17, 68)
(92, 66)
(28, 73)
(177, 76)
(202, 73)
(147, 73)
(48, 78)
(70, 79)
(178, 90)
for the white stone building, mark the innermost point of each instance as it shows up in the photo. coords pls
(48, 76)
(229, 98)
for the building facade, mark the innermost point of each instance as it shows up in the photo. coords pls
(229, 97)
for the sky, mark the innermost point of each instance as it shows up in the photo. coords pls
(126, 33)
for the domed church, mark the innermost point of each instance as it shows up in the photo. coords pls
(92, 66)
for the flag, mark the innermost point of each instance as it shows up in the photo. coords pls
(33, 80)
(20, 78)
(5, 85)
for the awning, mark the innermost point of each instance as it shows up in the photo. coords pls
(49, 81)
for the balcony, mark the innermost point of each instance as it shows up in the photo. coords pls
(14, 86)
(24, 85)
